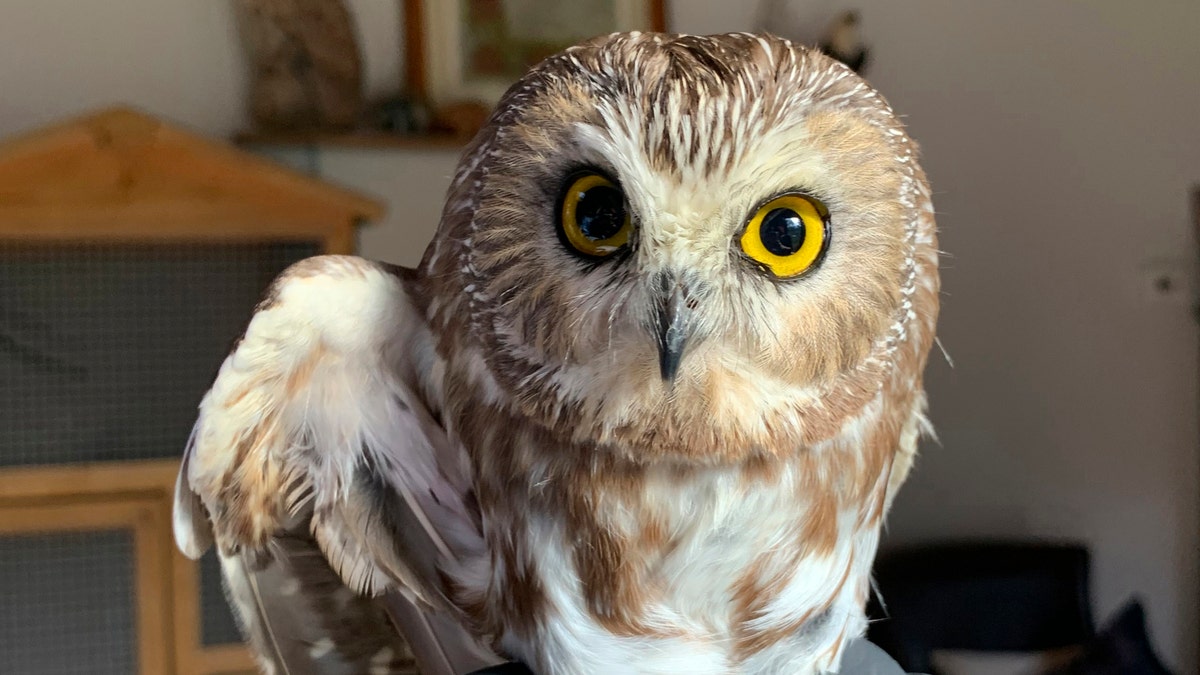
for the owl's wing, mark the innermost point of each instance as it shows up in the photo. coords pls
(316, 462)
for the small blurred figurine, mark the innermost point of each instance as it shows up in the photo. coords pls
(399, 114)
(307, 71)
(843, 42)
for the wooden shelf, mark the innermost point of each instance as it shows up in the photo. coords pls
(353, 139)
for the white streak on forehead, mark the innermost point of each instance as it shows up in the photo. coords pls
(622, 149)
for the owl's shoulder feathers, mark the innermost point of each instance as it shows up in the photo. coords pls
(316, 426)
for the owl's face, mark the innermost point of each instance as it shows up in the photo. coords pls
(674, 240)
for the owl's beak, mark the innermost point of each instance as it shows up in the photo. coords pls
(671, 324)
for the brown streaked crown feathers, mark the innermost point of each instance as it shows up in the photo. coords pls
(666, 456)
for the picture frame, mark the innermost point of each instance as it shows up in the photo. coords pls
(473, 50)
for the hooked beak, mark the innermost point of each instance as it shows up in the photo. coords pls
(672, 318)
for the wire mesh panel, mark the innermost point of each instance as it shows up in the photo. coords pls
(106, 349)
(68, 604)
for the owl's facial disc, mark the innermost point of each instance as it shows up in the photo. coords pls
(664, 240)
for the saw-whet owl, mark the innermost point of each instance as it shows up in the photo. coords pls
(642, 407)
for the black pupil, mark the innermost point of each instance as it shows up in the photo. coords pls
(782, 231)
(600, 212)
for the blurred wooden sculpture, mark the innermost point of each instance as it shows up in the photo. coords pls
(306, 67)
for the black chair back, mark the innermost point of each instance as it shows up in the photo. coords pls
(980, 596)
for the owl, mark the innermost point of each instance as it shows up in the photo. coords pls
(642, 408)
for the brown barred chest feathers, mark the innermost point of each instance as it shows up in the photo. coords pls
(748, 557)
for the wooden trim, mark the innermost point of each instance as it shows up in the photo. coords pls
(156, 223)
(658, 15)
(225, 661)
(185, 577)
(152, 541)
(191, 656)
(98, 496)
(148, 520)
(415, 81)
(342, 242)
(147, 477)
(73, 517)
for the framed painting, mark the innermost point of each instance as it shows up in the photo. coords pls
(472, 50)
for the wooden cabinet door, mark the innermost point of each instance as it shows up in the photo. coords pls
(86, 587)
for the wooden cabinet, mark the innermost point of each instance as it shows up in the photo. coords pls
(131, 253)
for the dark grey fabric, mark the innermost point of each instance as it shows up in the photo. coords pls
(980, 596)
(861, 658)
(864, 658)
(1121, 648)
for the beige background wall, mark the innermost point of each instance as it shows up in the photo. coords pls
(1061, 138)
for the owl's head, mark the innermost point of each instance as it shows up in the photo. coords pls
(682, 245)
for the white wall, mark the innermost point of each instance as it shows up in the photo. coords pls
(175, 58)
(1060, 138)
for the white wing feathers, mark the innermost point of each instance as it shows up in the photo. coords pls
(317, 413)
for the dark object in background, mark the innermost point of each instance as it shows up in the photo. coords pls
(306, 67)
(399, 115)
(505, 669)
(1122, 648)
(982, 597)
(843, 42)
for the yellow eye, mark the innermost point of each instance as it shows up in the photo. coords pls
(788, 235)
(593, 219)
